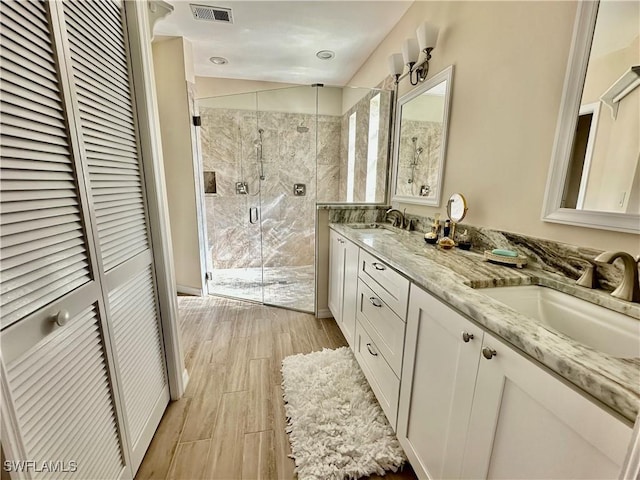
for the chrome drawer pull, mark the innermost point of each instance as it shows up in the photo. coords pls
(378, 266)
(375, 302)
(369, 348)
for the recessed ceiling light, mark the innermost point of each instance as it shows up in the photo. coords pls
(218, 60)
(325, 54)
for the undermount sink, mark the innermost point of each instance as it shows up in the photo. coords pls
(605, 330)
(371, 228)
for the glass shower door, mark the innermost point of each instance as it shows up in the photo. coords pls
(230, 151)
(288, 121)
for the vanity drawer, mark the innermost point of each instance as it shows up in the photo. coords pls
(384, 383)
(394, 287)
(384, 327)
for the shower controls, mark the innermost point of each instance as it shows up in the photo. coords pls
(242, 188)
(299, 189)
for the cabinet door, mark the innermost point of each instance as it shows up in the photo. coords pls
(350, 291)
(336, 275)
(438, 378)
(527, 423)
(95, 45)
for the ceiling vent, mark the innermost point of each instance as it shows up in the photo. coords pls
(211, 14)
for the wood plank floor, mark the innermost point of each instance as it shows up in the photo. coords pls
(230, 424)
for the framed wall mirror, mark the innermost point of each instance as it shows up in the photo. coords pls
(420, 139)
(594, 175)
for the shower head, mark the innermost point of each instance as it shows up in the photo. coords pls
(414, 139)
(260, 131)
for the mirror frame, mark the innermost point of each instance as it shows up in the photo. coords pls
(583, 30)
(465, 207)
(434, 201)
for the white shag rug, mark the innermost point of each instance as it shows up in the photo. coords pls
(336, 427)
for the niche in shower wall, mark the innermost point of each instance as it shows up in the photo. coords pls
(209, 181)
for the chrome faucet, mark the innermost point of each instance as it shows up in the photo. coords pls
(629, 288)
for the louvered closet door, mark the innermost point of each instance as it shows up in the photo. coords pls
(107, 127)
(57, 375)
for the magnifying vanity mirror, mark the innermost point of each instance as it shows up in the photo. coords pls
(456, 211)
(457, 207)
(420, 141)
(594, 176)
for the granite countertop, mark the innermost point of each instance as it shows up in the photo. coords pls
(454, 276)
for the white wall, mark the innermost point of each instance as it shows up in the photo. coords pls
(273, 97)
(173, 69)
(510, 60)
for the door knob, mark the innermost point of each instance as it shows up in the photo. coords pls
(61, 318)
(488, 353)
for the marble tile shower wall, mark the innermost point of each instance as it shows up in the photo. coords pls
(429, 138)
(287, 238)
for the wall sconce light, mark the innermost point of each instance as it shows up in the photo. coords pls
(427, 36)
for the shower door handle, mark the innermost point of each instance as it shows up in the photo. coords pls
(253, 215)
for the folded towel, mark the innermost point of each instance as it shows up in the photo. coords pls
(504, 253)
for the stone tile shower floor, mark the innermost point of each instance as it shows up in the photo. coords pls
(289, 287)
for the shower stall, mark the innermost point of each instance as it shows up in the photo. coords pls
(269, 158)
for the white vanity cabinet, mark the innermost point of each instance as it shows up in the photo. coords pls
(442, 352)
(528, 423)
(472, 407)
(381, 309)
(343, 283)
(383, 381)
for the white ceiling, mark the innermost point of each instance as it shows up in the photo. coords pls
(277, 41)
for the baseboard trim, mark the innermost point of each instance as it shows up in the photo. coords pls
(189, 290)
(185, 379)
(324, 313)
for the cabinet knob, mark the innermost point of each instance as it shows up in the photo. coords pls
(378, 266)
(61, 318)
(375, 302)
(466, 336)
(488, 353)
(370, 351)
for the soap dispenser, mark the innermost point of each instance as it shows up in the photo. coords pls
(432, 236)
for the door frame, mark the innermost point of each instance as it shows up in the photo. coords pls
(139, 31)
